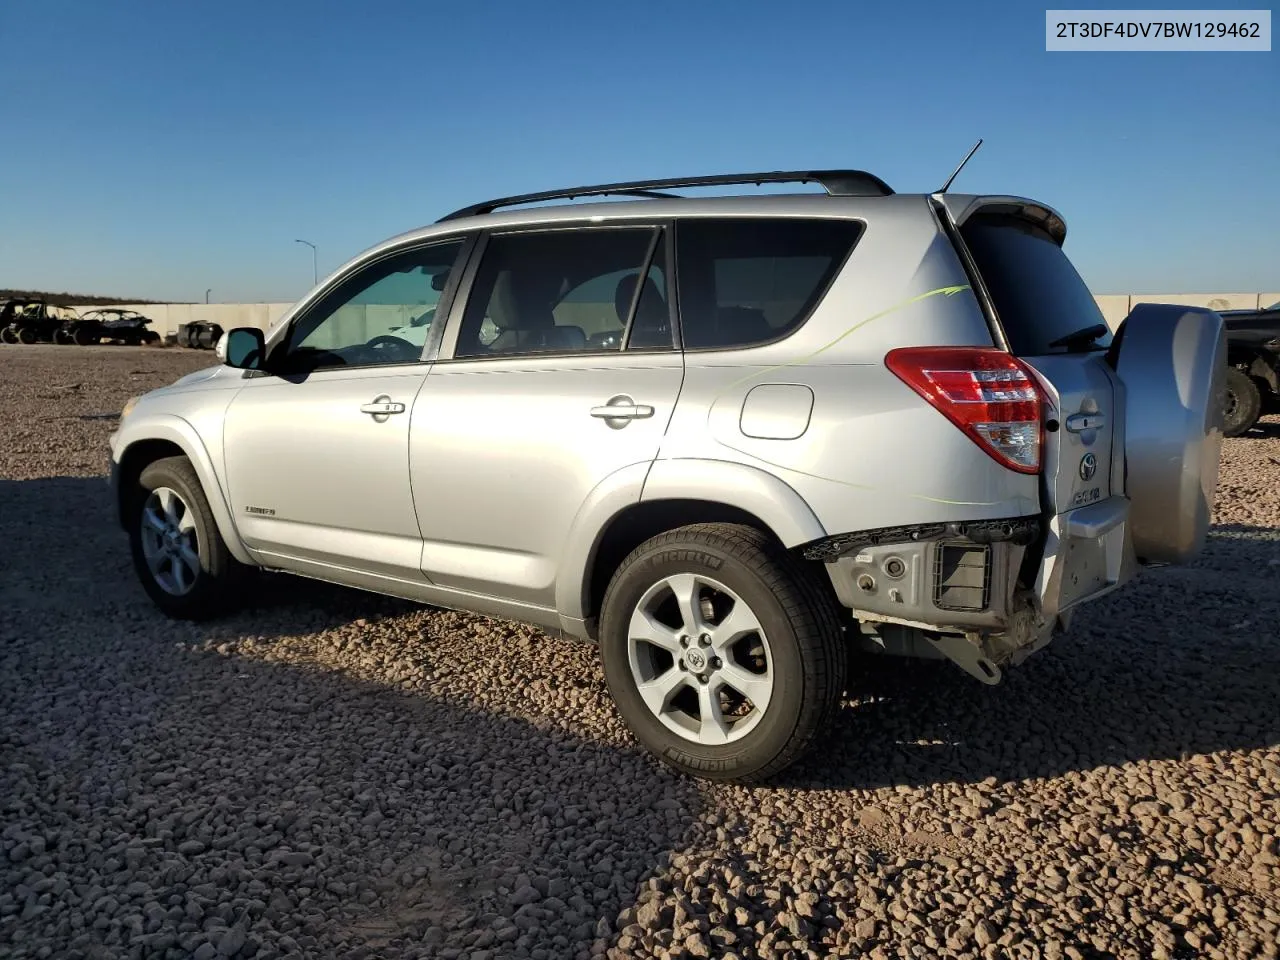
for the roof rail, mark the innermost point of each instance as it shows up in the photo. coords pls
(837, 183)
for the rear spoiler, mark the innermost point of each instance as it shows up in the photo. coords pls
(961, 207)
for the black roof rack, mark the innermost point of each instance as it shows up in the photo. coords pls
(837, 183)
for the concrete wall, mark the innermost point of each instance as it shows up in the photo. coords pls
(167, 316)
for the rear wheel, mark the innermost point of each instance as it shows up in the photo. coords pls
(1243, 403)
(8, 336)
(724, 657)
(83, 337)
(178, 553)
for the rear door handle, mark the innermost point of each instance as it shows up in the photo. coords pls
(381, 408)
(622, 411)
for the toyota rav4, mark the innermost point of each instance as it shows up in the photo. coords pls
(732, 440)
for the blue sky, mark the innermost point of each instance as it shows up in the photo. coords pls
(158, 149)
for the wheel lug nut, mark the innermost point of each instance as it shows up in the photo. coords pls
(705, 640)
(715, 662)
(684, 641)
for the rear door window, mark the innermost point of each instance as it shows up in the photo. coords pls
(749, 281)
(1038, 295)
(566, 291)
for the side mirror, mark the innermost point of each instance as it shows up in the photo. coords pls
(244, 348)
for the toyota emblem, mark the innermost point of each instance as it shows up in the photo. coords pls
(1088, 466)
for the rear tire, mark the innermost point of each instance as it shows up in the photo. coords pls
(755, 650)
(1243, 403)
(83, 337)
(8, 336)
(179, 554)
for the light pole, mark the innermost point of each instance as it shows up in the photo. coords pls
(206, 294)
(315, 275)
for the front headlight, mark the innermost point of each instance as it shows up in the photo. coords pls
(129, 405)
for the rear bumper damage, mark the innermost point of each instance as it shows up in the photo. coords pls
(983, 594)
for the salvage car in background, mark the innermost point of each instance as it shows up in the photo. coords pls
(1253, 367)
(113, 324)
(733, 441)
(32, 320)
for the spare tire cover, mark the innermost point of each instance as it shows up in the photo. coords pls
(1172, 361)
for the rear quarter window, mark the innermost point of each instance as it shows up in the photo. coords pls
(748, 281)
(1038, 295)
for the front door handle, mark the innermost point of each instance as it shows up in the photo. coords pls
(620, 410)
(381, 408)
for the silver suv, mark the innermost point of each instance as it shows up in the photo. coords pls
(732, 440)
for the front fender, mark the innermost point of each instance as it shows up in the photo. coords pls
(181, 433)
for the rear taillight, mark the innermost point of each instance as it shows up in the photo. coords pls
(987, 393)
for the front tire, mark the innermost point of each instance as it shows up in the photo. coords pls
(1243, 405)
(723, 655)
(26, 335)
(179, 555)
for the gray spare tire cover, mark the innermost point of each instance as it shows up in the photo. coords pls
(1172, 361)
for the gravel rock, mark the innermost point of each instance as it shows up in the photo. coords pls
(330, 773)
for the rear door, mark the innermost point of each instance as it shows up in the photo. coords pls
(1048, 318)
(1040, 301)
(556, 387)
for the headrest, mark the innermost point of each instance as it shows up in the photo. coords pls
(652, 309)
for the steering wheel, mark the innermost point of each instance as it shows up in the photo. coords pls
(397, 344)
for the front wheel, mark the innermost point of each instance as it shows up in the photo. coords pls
(1244, 403)
(723, 655)
(26, 335)
(178, 553)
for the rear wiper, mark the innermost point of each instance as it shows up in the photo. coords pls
(1082, 337)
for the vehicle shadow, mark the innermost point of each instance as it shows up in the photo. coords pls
(310, 808)
(1268, 428)
(1183, 661)
(60, 542)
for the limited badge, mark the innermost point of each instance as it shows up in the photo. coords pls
(1088, 466)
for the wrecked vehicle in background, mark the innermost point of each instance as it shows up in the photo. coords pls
(31, 320)
(1253, 367)
(113, 324)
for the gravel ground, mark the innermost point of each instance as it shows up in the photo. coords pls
(334, 774)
